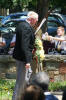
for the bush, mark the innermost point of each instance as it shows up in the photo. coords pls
(6, 89)
(7, 84)
(57, 86)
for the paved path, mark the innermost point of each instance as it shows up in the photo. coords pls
(58, 95)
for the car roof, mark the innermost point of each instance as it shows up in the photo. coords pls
(17, 20)
(19, 13)
(57, 14)
(13, 14)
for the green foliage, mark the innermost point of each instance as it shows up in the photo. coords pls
(57, 86)
(6, 3)
(57, 4)
(5, 95)
(13, 3)
(7, 84)
(52, 3)
(6, 89)
(31, 4)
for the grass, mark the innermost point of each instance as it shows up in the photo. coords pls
(7, 86)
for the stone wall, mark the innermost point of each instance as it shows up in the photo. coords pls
(7, 67)
(54, 65)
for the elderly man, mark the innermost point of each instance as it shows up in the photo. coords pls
(23, 51)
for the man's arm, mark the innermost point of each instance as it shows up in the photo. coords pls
(50, 38)
(26, 38)
(58, 39)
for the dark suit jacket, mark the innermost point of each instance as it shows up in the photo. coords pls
(24, 42)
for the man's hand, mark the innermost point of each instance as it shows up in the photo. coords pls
(28, 72)
(27, 65)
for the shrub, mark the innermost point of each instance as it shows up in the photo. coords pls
(8, 85)
(57, 86)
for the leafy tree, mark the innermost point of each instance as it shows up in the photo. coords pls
(58, 4)
(14, 5)
(6, 3)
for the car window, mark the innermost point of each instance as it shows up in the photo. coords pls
(51, 18)
(55, 17)
(53, 24)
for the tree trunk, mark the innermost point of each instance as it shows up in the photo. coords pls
(42, 9)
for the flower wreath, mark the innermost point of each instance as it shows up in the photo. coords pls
(39, 51)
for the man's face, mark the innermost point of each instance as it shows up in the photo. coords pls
(59, 32)
(32, 21)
